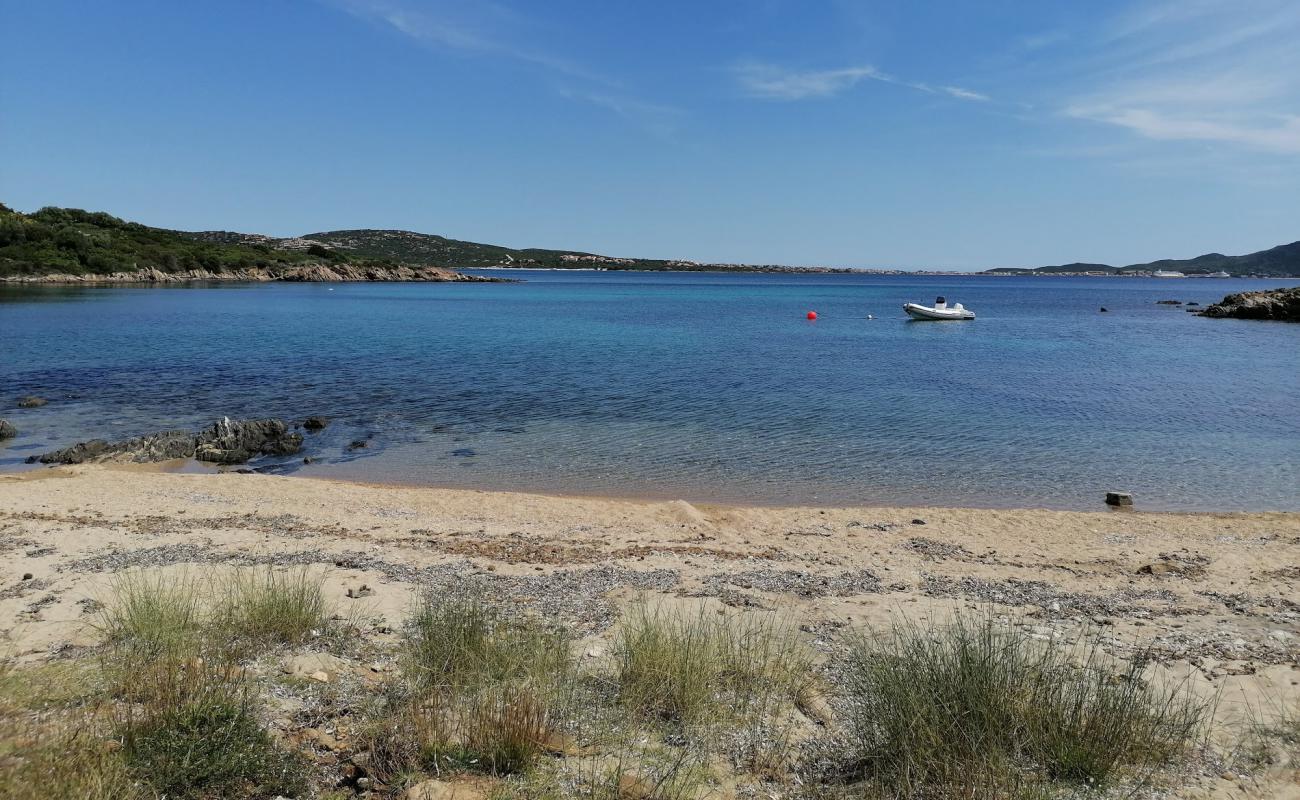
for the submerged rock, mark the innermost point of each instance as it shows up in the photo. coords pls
(31, 401)
(226, 442)
(1279, 305)
(7, 430)
(316, 423)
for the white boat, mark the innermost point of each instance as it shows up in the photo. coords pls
(1164, 273)
(939, 311)
(1219, 274)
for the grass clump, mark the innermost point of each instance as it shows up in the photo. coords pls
(978, 709)
(480, 692)
(695, 667)
(270, 607)
(196, 733)
(155, 613)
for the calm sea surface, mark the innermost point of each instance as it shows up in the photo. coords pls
(702, 386)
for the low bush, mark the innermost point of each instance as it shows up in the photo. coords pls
(196, 733)
(695, 667)
(270, 607)
(977, 709)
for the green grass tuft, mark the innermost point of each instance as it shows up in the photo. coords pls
(980, 709)
(697, 667)
(271, 607)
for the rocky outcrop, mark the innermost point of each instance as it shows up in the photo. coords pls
(225, 442)
(316, 423)
(1279, 305)
(324, 273)
(7, 430)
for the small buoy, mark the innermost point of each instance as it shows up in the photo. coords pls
(870, 317)
(812, 315)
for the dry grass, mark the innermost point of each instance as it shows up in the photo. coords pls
(697, 668)
(978, 709)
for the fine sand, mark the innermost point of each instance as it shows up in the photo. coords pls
(1212, 596)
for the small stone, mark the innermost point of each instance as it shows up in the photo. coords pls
(7, 430)
(27, 576)
(315, 423)
(320, 675)
(358, 444)
(31, 401)
(308, 460)
(918, 522)
(1119, 499)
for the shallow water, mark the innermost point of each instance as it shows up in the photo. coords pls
(704, 386)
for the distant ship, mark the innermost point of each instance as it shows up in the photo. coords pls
(1219, 274)
(1164, 273)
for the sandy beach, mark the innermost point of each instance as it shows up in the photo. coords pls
(1212, 597)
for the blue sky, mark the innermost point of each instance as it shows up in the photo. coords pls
(916, 134)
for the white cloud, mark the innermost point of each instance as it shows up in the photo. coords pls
(1221, 71)
(491, 30)
(776, 83)
(764, 80)
(964, 94)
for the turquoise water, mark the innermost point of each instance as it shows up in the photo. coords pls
(702, 386)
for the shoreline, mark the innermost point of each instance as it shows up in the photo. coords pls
(194, 467)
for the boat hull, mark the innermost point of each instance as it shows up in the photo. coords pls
(936, 314)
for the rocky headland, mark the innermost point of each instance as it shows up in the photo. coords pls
(299, 273)
(1278, 305)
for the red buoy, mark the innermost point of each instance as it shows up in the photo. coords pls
(812, 315)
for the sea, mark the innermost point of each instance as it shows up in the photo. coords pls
(710, 387)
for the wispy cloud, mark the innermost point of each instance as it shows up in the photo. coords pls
(492, 30)
(1215, 71)
(771, 82)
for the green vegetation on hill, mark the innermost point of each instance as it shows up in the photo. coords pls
(1282, 261)
(72, 241)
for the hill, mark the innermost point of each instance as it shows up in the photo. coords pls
(64, 245)
(70, 241)
(427, 248)
(1282, 261)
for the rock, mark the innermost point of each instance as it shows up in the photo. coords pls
(918, 522)
(318, 738)
(31, 401)
(234, 442)
(1278, 305)
(364, 591)
(1156, 569)
(1169, 302)
(7, 430)
(1104, 310)
(311, 665)
(309, 460)
(1119, 499)
(443, 790)
(358, 444)
(315, 423)
(562, 744)
(27, 576)
(226, 442)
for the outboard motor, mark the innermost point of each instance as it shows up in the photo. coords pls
(940, 303)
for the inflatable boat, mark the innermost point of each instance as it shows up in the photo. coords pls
(939, 311)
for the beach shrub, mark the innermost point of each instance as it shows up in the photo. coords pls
(696, 667)
(464, 642)
(979, 709)
(195, 732)
(480, 691)
(271, 607)
(155, 613)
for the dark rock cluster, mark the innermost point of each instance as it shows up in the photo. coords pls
(225, 442)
